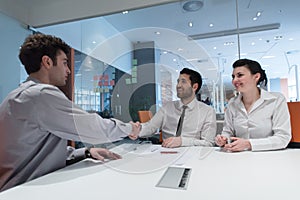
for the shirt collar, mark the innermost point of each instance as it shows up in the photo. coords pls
(29, 78)
(189, 105)
(264, 95)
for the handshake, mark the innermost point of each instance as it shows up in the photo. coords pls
(136, 128)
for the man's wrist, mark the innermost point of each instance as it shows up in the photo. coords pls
(87, 153)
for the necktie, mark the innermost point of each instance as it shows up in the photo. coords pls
(180, 122)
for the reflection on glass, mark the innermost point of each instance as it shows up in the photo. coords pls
(222, 32)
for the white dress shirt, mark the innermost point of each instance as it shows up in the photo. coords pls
(36, 120)
(199, 124)
(267, 125)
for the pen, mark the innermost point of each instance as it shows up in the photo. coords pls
(168, 152)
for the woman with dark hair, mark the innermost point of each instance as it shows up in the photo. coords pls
(255, 119)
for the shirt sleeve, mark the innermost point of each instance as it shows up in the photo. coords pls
(228, 129)
(281, 129)
(207, 133)
(154, 124)
(61, 117)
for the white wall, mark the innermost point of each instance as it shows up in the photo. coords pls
(12, 36)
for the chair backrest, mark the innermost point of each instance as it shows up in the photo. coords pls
(294, 109)
(144, 115)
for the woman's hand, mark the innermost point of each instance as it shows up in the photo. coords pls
(238, 144)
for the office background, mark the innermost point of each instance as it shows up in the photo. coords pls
(276, 49)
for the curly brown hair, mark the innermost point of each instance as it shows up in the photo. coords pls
(38, 45)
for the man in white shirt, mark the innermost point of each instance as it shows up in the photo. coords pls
(37, 119)
(199, 122)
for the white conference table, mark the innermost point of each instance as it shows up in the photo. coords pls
(214, 175)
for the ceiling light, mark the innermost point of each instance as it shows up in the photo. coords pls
(258, 14)
(192, 5)
(266, 27)
(278, 37)
(157, 32)
(192, 59)
(268, 57)
(125, 12)
(211, 25)
(254, 18)
(293, 52)
(190, 24)
(228, 43)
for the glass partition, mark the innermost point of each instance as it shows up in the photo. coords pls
(131, 60)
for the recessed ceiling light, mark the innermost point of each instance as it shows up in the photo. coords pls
(192, 59)
(193, 5)
(278, 37)
(215, 47)
(190, 24)
(268, 57)
(174, 60)
(125, 12)
(254, 18)
(252, 43)
(258, 14)
(165, 52)
(228, 43)
(157, 32)
(293, 52)
(211, 25)
(94, 42)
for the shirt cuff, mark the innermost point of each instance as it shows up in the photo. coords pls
(124, 127)
(187, 141)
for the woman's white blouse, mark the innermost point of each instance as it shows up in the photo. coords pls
(267, 125)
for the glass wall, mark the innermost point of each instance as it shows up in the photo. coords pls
(12, 36)
(208, 38)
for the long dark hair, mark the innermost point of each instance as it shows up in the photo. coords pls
(254, 68)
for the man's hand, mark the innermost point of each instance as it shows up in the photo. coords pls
(220, 140)
(136, 127)
(172, 142)
(101, 154)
